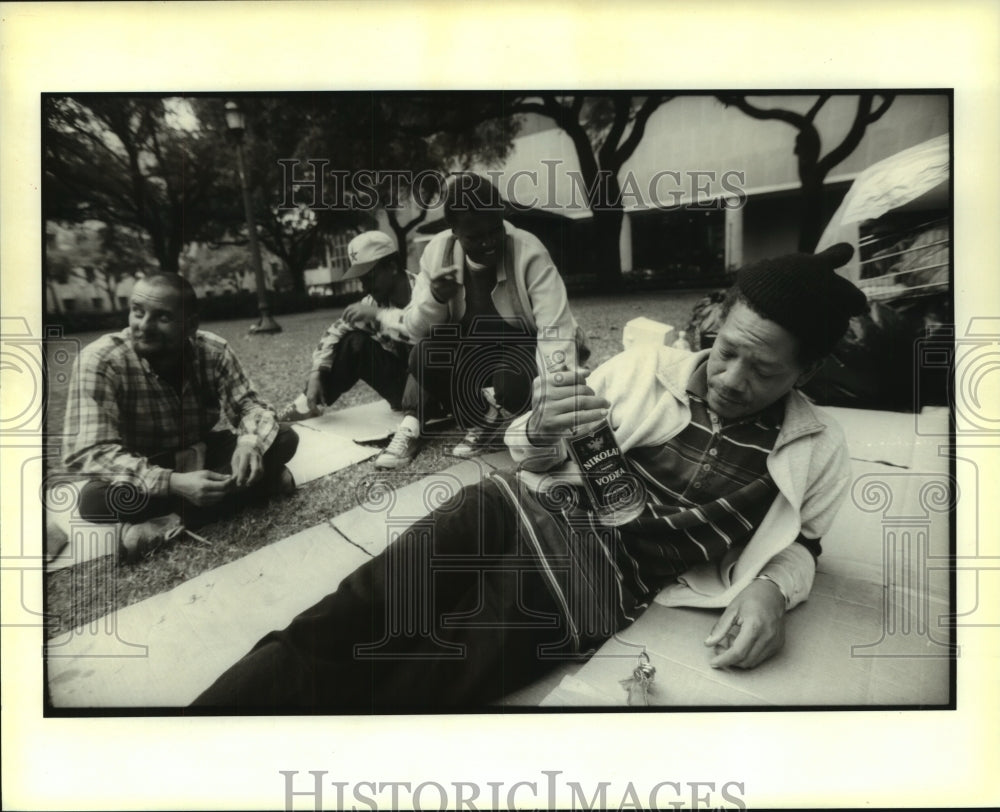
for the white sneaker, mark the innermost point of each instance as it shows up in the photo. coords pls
(486, 437)
(402, 448)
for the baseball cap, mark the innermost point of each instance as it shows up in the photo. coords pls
(367, 249)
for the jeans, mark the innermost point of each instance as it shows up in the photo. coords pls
(106, 501)
(453, 614)
(456, 368)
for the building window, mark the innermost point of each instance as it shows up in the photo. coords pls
(687, 244)
(338, 259)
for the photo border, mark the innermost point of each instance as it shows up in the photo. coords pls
(891, 758)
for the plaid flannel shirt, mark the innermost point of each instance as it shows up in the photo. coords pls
(120, 412)
(389, 332)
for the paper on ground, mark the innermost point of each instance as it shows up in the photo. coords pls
(822, 663)
(367, 423)
(321, 453)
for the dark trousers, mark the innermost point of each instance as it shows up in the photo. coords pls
(452, 614)
(104, 501)
(455, 370)
(359, 357)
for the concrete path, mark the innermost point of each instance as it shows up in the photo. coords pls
(163, 651)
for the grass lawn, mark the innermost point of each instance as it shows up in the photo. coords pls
(278, 366)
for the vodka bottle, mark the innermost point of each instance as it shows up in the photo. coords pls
(616, 495)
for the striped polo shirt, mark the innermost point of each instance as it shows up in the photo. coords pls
(708, 488)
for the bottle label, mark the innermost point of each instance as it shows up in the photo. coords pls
(617, 495)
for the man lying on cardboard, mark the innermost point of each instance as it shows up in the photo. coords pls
(742, 475)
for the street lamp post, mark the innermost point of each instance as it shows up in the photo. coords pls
(236, 122)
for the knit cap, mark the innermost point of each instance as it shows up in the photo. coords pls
(805, 295)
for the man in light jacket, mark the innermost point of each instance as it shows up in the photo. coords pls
(489, 311)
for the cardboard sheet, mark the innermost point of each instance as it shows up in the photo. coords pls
(887, 437)
(367, 423)
(322, 452)
(835, 654)
(874, 631)
(388, 509)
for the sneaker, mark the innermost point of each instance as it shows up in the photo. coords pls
(138, 540)
(298, 409)
(402, 448)
(486, 437)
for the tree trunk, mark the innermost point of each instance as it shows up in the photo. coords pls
(170, 262)
(811, 216)
(606, 206)
(297, 272)
(606, 237)
(110, 285)
(399, 232)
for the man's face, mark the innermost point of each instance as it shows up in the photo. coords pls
(380, 280)
(752, 364)
(481, 236)
(159, 326)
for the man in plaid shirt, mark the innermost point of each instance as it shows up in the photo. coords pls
(141, 420)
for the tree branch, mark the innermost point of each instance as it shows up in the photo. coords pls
(887, 100)
(606, 155)
(649, 106)
(741, 103)
(529, 107)
(862, 118)
(817, 105)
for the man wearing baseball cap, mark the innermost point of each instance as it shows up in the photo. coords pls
(369, 343)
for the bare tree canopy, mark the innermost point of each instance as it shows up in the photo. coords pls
(813, 166)
(605, 129)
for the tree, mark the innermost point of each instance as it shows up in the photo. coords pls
(296, 127)
(812, 167)
(605, 130)
(417, 134)
(128, 162)
(222, 267)
(124, 252)
(391, 137)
